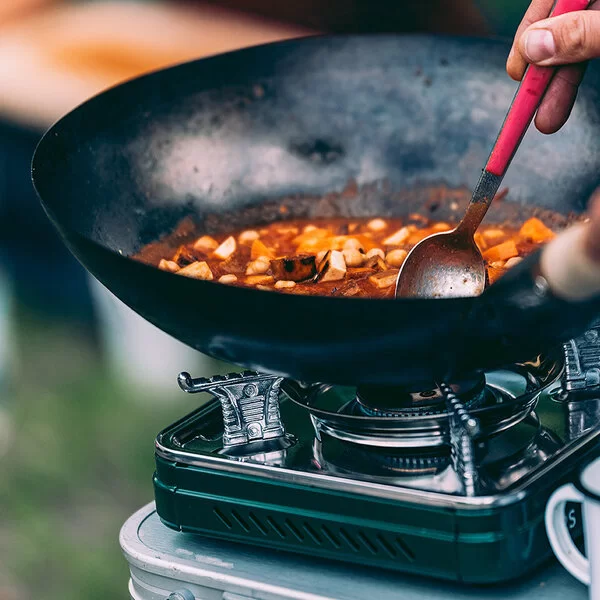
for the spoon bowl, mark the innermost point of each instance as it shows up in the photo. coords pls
(443, 265)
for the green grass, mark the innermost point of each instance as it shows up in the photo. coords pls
(79, 462)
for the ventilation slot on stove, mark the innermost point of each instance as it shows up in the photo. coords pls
(318, 535)
(238, 519)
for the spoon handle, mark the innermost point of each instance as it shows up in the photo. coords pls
(520, 114)
(525, 104)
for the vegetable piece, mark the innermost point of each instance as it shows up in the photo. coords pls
(197, 270)
(294, 268)
(352, 244)
(353, 258)
(168, 265)
(384, 279)
(282, 284)
(248, 236)
(259, 279)
(377, 225)
(226, 249)
(535, 231)
(314, 245)
(493, 236)
(441, 226)
(310, 232)
(376, 252)
(397, 238)
(206, 244)
(375, 262)
(395, 258)
(332, 268)
(229, 278)
(512, 262)
(259, 249)
(502, 251)
(258, 267)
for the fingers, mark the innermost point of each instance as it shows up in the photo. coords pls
(568, 39)
(564, 40)
(558, 101)
(538, 10)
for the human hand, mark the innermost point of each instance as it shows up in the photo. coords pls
(570, 39)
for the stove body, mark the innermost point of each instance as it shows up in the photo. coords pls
(450, 483)
(169, 565)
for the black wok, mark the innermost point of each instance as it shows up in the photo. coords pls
(226, 138)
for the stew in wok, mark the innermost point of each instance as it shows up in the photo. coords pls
(336, 257)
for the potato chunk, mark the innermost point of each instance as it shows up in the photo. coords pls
(206, 244)
(248, 236)
(377, 225)
(259, 279)
(376, 252)
(502, 251)
(384, 279)
(197, 270)
(282, 284)
(294, 268)
(395, 258)
(397, 238)
(226, 249)
(333, 267)
(512, 262)
(353, 258)
(258, 267)
(168, 265)
(229, 278)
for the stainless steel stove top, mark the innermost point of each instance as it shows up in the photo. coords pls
(525, 429)
(450, 480)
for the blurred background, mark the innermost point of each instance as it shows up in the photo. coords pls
(76, 434)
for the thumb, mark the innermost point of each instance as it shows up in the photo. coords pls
(569, 38)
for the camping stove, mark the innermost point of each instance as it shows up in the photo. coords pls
(448, 480)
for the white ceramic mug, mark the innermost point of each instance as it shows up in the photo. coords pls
(586, 493)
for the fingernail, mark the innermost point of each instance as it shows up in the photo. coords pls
(539, 45)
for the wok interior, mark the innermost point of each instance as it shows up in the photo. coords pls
(341, 126)
(301, 119)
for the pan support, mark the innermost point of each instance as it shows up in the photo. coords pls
(580, 385)
(250, 404)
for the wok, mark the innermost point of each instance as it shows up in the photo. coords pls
(225, 139)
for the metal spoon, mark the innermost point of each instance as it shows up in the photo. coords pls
(449, 264)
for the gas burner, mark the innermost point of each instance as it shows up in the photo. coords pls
(355, 459)
(406, 418)
(396, 402)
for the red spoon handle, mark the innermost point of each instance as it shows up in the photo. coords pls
(526, 102)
